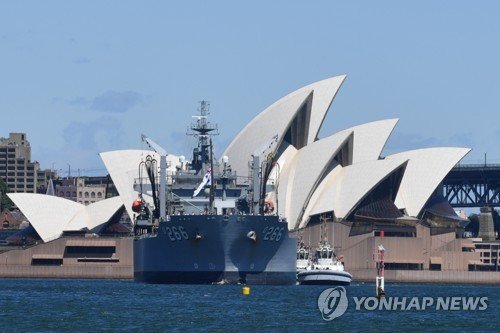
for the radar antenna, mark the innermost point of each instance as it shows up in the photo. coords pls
(202, 130)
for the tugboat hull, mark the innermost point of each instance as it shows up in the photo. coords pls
(324, 277)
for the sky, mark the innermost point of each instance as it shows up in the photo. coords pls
(90, 76)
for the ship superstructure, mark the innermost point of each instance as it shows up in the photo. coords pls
(204, 225)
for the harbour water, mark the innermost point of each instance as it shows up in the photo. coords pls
(113, 305)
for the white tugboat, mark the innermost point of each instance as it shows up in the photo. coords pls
(303, 258)
(325, 268)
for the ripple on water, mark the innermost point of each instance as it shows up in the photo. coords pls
(113, 305)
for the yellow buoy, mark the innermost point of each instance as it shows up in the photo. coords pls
(246, 290)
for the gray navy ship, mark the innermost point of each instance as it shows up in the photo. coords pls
(204, 231)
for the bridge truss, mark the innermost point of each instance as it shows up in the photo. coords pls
(473, 185)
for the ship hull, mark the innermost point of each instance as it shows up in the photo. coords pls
(204, 249)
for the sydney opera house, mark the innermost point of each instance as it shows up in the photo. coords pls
(368, 198)
(371, 199)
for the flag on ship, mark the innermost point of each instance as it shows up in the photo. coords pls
(206, 181)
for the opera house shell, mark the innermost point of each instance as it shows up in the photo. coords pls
(344, 173)
(51, 216)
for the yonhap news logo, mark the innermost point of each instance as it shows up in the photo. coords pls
(333, 303)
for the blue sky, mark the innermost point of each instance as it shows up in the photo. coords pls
(89, 76)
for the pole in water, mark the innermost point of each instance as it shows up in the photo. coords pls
(378, 257)
(245, 290)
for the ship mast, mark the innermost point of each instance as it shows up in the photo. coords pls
(202, 130)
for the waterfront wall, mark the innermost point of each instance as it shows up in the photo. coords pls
(19, 263)
(105, 271)
(472, 277)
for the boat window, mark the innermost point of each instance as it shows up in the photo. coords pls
(302, 255)
(324, 253)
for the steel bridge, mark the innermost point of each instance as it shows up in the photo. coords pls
(473, 185)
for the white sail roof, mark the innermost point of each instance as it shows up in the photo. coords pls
(301, 176)
(370, 139)
(46, 213)
(345, 187)
(278, 117)
(95, 215)
(51, 215)
(425, 170)
(123, 167)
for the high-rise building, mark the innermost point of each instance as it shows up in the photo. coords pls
(16, 168)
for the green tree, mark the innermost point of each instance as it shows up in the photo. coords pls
(5, 202)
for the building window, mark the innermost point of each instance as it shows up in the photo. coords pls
(99, 195)
(92, 195)
(61, 194)
(46, 262)
(68, 194)
(86, 194)
(80, 194)
(74, 194)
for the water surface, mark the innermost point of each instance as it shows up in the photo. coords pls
(40, 305)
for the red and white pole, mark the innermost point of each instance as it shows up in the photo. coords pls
(379, 262)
